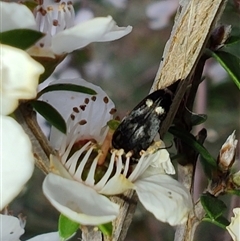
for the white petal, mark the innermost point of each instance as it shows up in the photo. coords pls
(54, 236)
(234, 227)
(78, 202)
(95, 30)
(10, 228)
(117, 185)
(162, 162)
(166, 198)
(19, 77)
(97, 112)
(58, 167)
(15, 16)
(153, 162)
(71, 99)
(141, 167)
(17, 161)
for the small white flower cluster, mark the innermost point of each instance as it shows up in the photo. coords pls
(62, 36)
(19, 81)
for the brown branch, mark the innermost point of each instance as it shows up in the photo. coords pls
(127, 202)
(26, 117)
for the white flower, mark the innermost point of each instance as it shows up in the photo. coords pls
(17, 161)
(84, 205)
(71, 103)
(12, 15)
(160, 13)
(62, 36)
(234, 227)
(57, 22)
(53, 236)
(12, 228)
(18, 79)
(80, 178)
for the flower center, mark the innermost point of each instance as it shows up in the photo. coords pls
(53, 19)
(100, 169)
(85, 149)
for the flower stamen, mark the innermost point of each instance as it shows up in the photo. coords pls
(107, 174)
(90, 177)
(78, 173)
(53, 19)
(67, 151)
(72, 162)
(126, 167)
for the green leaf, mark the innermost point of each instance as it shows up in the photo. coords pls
(66, 227)
(221, 221)
(232, 46)
(67, 87)
(50, 114)
(30, 4)
(106, 229)
(20, 38)
(198, 119)
(232, 40)
(230, 63)
(212, 206)
(210, 164)
(113, 124)
(234, 192)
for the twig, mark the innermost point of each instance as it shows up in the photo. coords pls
(127, 202)
(41, 147)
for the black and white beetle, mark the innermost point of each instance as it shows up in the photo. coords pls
(138, 129)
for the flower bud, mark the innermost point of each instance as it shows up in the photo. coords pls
(219, 36)
(236, 178)
(227, 153)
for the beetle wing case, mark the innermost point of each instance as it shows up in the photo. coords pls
(137, 130)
